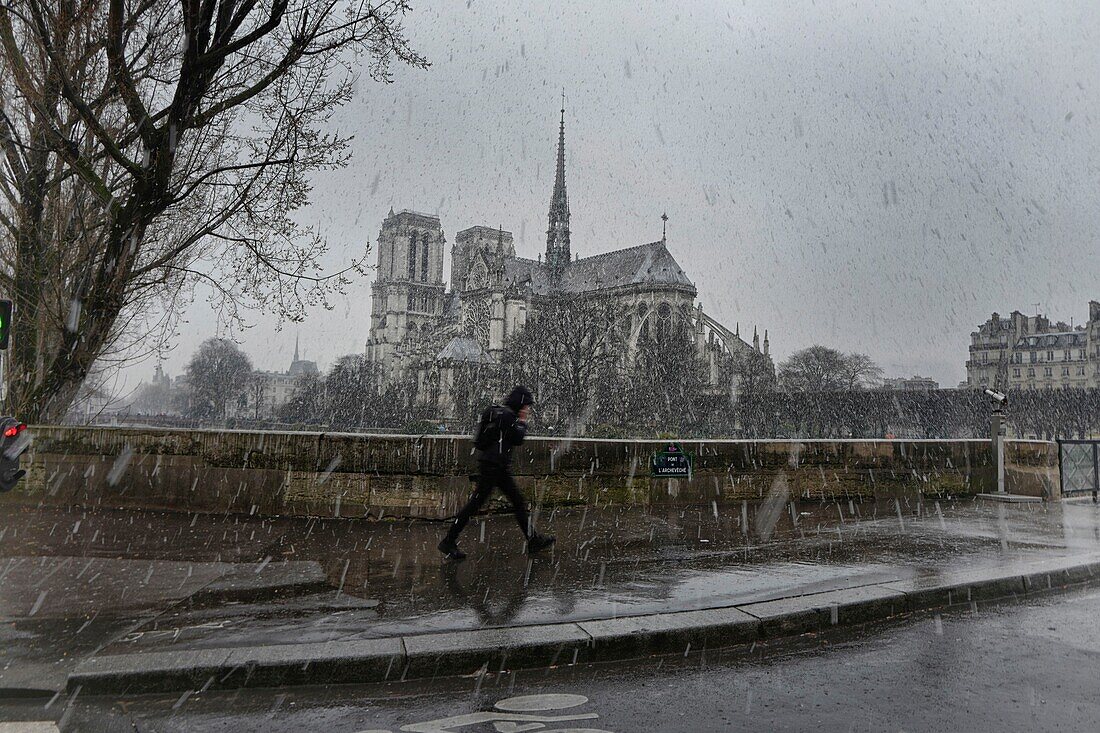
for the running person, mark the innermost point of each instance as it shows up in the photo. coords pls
(502, 427)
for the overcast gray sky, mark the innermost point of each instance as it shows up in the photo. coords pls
(870, 175)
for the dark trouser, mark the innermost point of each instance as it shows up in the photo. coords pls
(490, 476)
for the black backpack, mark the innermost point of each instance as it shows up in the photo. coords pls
(488, 428)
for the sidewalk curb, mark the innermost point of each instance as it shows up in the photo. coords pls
(564, 644)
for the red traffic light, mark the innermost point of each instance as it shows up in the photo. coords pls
(15, 430)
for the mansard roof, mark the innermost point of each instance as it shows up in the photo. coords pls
(646, 264)
(1063, 340)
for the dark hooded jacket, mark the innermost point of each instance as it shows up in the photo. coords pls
(500, 429)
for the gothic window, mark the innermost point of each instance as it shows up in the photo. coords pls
(476, 315)
(424, 263)
(664, 321)
(412, 256)
(478, 277)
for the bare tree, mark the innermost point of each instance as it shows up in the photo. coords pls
(666, 384)
(821, 369)
(567, 346)
(751, 372)
(218, 375)
(306, 402)
(814, 369)
(860, 372)
(152, 146)
(352, 393)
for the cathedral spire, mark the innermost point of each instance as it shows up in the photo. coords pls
(295, 347)
(557, 231)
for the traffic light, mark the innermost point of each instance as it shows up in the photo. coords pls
(13, 442)
(5, 323)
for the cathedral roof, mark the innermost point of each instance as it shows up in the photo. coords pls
(464, 349)
(646, 264)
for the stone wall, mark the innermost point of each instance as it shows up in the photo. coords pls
(314, 474)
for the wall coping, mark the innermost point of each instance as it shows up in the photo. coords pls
(534, 438)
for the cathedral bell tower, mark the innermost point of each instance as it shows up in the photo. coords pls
(408, 290)
(557, 232)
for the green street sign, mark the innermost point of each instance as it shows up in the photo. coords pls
(672, 462)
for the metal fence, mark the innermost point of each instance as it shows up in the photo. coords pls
(1079, 466)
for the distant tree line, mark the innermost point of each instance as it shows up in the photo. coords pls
(574, 357)
(355, 394)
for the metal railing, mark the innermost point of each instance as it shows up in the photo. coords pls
(1079, 467)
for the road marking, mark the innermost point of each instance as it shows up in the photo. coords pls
(29, 726)
(531, 703)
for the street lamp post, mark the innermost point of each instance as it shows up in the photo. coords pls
(997, 434)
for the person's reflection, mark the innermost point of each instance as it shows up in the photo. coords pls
(489, 614)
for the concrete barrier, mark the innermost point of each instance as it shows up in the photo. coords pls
(332, 474)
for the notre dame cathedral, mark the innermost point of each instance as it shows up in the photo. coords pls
(421, 328)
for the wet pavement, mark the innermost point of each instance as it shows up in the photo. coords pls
(1027, 667)
(74, 582)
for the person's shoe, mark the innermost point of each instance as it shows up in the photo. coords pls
(450, 550)
(539, 542)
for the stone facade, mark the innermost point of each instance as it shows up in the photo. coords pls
(1029, 352)
(910, 384)
(354, 475)
(268, 391)
(423, 329)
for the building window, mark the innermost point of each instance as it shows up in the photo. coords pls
(1081, 354)
(1067, 355)
(412, 256)
(1050, 356)
(1065, 371)
(1080, 371)
(1015, 372)
(1034, 357)
(1047, 372)
(424, 263)
(1031, 372)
